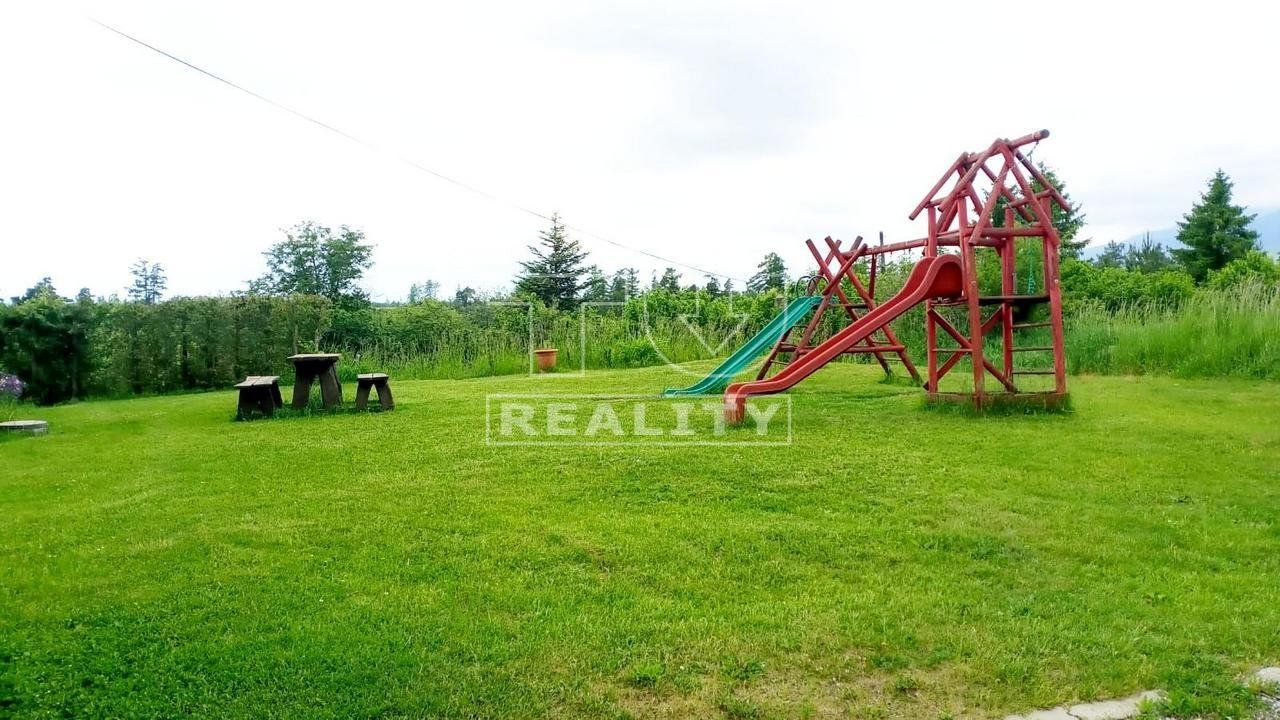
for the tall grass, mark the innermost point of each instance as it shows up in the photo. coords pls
(591, 341)
(196, 343)
(1229, 332)
(1232, 332)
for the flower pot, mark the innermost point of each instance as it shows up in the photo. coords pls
(545, 359)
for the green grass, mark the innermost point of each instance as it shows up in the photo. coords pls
(160, 560)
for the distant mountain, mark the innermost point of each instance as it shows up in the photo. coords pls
(1267, 224)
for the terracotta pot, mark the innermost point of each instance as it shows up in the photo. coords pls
(545, 359)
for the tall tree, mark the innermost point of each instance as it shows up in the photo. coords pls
(312, 260)
(465, 296)
(424, 291)
(669, 281)
(596, 288)
(1215, 232)
(712, 286)
(1147, 257)
(149, 282)
(44, 339)
(554, 275)
(771, 274)
(1066, 222)
(624, 284)
(44, 288)
(1112, 255)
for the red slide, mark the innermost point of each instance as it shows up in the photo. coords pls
(931, 277)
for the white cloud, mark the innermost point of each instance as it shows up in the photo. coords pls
(708, 132)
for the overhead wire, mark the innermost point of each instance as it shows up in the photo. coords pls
(405, 159)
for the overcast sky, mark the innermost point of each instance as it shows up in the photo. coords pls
(711, 133)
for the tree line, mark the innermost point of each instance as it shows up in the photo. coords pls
(310, 297)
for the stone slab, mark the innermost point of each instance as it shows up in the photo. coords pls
(1118, 709)
(35, 427)
(1051, 714)
(1268, 675)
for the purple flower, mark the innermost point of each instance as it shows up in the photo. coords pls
(11, 385)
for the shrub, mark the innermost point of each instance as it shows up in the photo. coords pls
(45, 340)
(1255, 267)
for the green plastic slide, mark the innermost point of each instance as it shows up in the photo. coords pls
(719, 378)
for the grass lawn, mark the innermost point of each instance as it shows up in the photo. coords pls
(158, 559)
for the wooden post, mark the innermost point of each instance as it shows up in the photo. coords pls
(384, 395)
(930, 324)
(1008, 256)
(969, 262)
(303, 377)
(330, 388)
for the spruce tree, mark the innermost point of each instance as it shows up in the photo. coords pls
(554, 275)
(1148, 257)
(670, 281)
(596, 288)
(1215, 232)
(149, 282)
(1112, 255)
(625, 284)
(1066, 222)
(771, 274)
(712, 286)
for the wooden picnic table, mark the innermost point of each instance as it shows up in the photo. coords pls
(308, 367)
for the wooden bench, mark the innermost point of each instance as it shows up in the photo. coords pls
(259, 394)
(373, 381)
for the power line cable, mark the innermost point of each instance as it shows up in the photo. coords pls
(402, 158)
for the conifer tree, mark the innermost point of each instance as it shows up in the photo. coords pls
(1066, 222)
(149, 282)
(554, 275)
(625, 284)
(1215, 232)
(670, 280)
(771, 274)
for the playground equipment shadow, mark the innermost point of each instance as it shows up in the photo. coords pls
(891, 562)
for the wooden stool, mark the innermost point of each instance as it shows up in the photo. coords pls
(258, 394)
(377, 381)
(307, 367)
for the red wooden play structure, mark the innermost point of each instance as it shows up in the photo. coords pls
(961, 211)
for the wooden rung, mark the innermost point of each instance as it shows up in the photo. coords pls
(998, 300)
(1023, 326)
(1032, 349)
(875, 349)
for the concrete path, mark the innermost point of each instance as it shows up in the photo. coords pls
(1267, 679)
(1118, 709)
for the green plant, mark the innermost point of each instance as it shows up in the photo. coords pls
(161, 560)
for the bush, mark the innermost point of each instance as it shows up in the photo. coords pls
(1255, 267)
(1114, 287)
(633, 353)
(45, 341)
